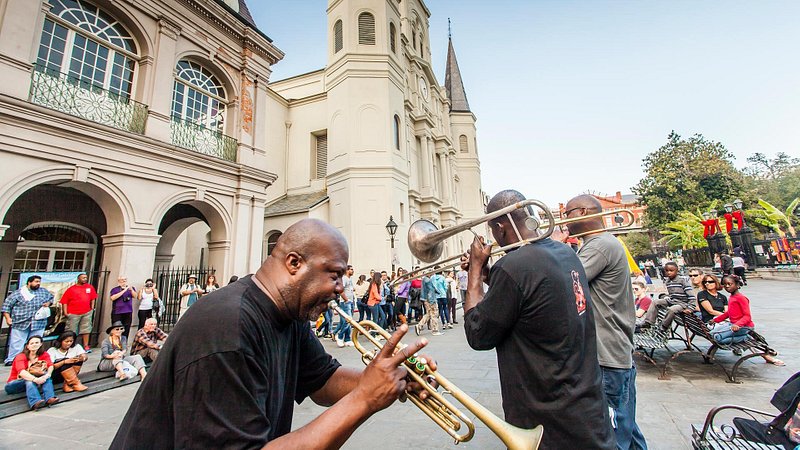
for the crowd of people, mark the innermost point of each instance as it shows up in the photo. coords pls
(428, 302)
(34, 370)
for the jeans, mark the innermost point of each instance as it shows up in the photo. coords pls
(343, 329)
(723, 333)
(363, 311)
(619, 386)
(378, 316)
(444, 312)
(31, 389)
(17, 339)
(388, 313)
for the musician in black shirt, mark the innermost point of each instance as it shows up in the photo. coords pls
(537, 314)
(237, 360)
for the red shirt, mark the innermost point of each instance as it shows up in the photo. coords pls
(78, 298)
(416, 283)
(644, 303)
(738, 311)
(21, 363)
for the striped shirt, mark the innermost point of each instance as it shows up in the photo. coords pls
(680, 291)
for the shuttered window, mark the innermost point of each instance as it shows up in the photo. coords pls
(463, 145)
(392, 38)
(320, 167)
(338, 41)
(396, 132)
(366, 29)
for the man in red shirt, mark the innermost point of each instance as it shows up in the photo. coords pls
(78, 305)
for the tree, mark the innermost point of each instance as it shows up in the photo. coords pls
(684, 174)
(764, 168)
(638, 244)
(775, 180)
(685, 232)
(773, 218)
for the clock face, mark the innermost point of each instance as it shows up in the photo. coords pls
(423, 88)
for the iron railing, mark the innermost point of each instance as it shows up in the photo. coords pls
(81, 98)
(191, 136)
(168, 281)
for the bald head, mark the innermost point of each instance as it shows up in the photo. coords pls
(502, 229)
(583, 205)
(305, 269)
(504, 199)
(308, 238)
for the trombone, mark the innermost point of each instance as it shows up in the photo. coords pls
(435, 406)
(427, 243)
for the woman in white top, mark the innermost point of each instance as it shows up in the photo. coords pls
(148, 297)
(68, 359)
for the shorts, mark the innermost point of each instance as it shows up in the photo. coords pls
(80, 323)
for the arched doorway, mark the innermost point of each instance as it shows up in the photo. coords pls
(55, 246)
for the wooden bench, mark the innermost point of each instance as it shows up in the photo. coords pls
(754, 343)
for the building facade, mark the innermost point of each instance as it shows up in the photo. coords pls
(616, 202)
(144, 134)
(374, 135)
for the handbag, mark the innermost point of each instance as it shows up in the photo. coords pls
(38, 368)
(42, 313)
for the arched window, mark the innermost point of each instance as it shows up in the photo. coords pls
(272, 240)
(396, 131)
(413, 40)
(88, 45)
(366, 29)
(338, 39)
(421, 44)
(392, 38)
(463, 144)
(199, 97)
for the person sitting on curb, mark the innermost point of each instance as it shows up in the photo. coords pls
(114, 348)
(30, 373)
(680, 298)
(68, 358)
(148, 340)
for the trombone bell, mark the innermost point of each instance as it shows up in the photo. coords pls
(424, 249)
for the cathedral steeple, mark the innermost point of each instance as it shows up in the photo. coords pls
(452, 80)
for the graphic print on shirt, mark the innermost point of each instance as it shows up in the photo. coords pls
(580, 299)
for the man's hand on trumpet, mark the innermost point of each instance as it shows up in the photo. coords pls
(560, 234)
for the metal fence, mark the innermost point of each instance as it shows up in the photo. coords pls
(195, 137)
(168, 281)
(56, 323)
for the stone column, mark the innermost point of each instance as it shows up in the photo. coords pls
(160, 98)
(20, 27)
(427, 165)
(257, 238)
(446, 179)
(431, 154)
(243, 231)
(218, 257)
(129, 254)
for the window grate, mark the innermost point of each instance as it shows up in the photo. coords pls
(338, 40)
(392, 38)
(463, 145)
(321, 151)
(366, 29)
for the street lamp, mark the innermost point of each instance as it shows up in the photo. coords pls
(738, 204)
(391, 228)
(745, 235)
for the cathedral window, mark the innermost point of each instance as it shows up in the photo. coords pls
(366, 29)
(319, 160)
(87, 45)
(198, 97)
(338, 41)
(463, 144)
(392, 38)
(396, 131)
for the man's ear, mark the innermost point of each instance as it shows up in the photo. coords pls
(293, 262)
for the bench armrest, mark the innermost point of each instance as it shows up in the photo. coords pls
(709, 423)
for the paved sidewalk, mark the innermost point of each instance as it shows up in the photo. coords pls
(666, 408)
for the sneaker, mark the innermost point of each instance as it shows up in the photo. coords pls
(349, 344)
(449, 325)
(339, 342)
(436, 333)
(416, 329)
(88, 349)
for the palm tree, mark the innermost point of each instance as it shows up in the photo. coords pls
(773, 218)
(687, 231)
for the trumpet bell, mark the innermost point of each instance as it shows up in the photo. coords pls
(426, 250)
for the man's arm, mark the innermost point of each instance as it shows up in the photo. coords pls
(593, 261)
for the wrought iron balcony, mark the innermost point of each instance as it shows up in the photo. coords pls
(83, 99)
(200, 139)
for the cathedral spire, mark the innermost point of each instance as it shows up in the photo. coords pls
(452, 79)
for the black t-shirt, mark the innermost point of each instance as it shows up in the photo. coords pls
(538, 314)
(718, 303)
(227, 376)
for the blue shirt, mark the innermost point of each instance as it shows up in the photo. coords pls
(428, 291)
(22, 311)
(440, 285)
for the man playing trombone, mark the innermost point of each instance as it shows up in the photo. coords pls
(538, 315)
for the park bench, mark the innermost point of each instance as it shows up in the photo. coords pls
(695, 327)
(96, 382)
(648, 340)
(710, 436)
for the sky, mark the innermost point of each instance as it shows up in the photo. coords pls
(570, 96)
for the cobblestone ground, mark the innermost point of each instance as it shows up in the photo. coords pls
(666, 409)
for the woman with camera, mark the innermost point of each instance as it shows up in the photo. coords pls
(30, 373)
(148, 297)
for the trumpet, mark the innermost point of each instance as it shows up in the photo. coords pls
(435, 406)
(426, 242)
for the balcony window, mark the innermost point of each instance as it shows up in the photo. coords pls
(198, 112)
(85, 66)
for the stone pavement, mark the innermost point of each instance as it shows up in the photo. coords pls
(666, 408)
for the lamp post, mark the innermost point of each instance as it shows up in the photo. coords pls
(391, 228)
(745, 235)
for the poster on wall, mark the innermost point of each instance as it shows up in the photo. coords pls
(56, 283)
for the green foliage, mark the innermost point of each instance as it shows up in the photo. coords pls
(638, 243)
(682, 175)
(773, 218)
(686, 231)
(775, 180)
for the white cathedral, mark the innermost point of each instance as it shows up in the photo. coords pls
(137, 135)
